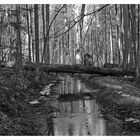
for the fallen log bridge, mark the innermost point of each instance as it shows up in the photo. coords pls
(80, 69)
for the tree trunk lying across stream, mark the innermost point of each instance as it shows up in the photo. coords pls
(81, 69)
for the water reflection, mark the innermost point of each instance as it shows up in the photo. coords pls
(78, 117)
(72, 85)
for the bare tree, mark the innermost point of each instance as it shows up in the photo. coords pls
(19, 43)
(47, 56)
(36, 21)
(29, 35)
(111, 39)
(32, 33)
(125, 34)
(44, 34)
(138, 47)
(81, 27)
(36, 32)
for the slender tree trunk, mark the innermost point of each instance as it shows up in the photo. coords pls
(36, 21)
(43, 22)
(126, 35)
(1, 47)
(133, 28)
(105, 38)
(36, 32)
(73, 45)
(92, 44)
(32, 35)
(68, 36)
(47, 34)
(19, 44)
(96, 43)
(121, 34)
(29, 36)
(46, 49)
(111, 40)
(118, 37)
(59, 50)
(63, 46)
(81, 28)
(54, 40)
(138, 49)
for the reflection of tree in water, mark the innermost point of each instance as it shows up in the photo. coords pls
(79, 85)
(77, 117)
(72, 107)
(71, 85)
(50, 124)
(70, 129)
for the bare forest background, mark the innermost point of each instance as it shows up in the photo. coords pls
(55, 34)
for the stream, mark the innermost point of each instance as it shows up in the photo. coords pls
(78, 113)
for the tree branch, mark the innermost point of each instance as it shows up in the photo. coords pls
(95, 12)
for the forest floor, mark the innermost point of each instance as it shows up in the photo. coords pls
(18, 94)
